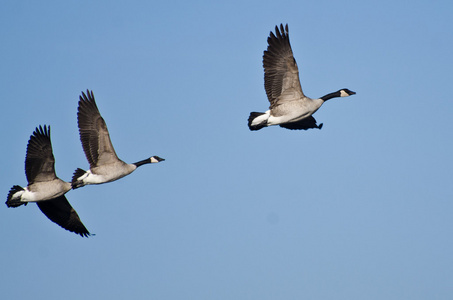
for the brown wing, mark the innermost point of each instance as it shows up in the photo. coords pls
(94, 134)
(281, 74)
(59, 211)
(39, 161)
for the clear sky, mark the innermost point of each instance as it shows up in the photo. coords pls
(361, 209)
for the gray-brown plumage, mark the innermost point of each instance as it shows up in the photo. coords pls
(44, 187)
(289, 107)
(94, 134)
(105, 166)
(281, 74)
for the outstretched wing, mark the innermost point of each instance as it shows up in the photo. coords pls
(39, 161)
(93, 131)
(281, 74)
(59, 211)
(304, 124)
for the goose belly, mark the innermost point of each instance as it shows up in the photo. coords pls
(292, 112)
(91, 178)
(105, 174)
(44, 191)
(287, 118)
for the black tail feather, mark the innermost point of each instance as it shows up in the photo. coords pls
(74, 183)
(10, 202)
(252, 116)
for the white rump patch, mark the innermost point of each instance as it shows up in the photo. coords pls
(18, 194)
(260, 119)
(26, 196)
(85, 175)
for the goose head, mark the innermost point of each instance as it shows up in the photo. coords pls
(346, 92)
(155, 159)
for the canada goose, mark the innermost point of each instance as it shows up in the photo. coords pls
(44, 187)
(105, 166)
(289, 108)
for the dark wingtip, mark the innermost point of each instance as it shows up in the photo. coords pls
(87, 96)
(283, 30)
(42, 131)
(85, 234)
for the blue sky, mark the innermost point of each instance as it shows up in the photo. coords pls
(361, 209)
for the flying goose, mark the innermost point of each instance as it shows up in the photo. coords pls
(289, 108)
(105, 166)
(44, 187)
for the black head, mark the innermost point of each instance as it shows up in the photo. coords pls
(346, 93)
(156, 159)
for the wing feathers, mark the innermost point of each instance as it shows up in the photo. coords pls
(39, 160)
(59, 211)
(304, 124)
(93, 131)
(281, 74)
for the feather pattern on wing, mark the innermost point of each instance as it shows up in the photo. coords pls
(94, 134)
(39, 160)
(59, 211)
(281, 74)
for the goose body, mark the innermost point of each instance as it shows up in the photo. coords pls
(289, 107)
(41, 191)
(44, 187)
(105, 166)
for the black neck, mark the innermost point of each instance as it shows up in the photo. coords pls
(331, 95)
(142, 162)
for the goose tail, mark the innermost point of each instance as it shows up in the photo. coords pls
(14, 196)
(76, 182)
(257, 120)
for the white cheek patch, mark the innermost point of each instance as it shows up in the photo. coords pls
(153, 160)
(343, 94)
